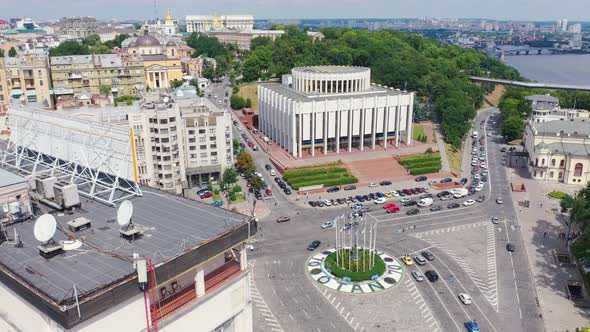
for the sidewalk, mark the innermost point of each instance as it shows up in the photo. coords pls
(540, 228)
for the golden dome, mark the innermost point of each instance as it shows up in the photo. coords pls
(169, 17)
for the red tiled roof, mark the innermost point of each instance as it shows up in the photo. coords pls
(3, 22)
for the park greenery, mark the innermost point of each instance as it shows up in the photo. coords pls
(90, 45)
(438, 73)
(419, 164)
(210, 47)
(128, 100)
(238, 102)
(245, 163)
(346, 259)
(327, 175)
(578, 208)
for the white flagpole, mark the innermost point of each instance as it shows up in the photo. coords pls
(336, 226)
(350, 248)
(375, 244)
(364, 248)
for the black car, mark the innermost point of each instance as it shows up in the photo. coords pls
(421, 178)
(431, 275)
(428, 255)
(401, 193)
(473, 172)
(453, 205)
(412, 212)
(350, 187)
(314, 245)
(385, 183)
(415, 191)
(443, 193)
(484, 179)
(278, 180)
(358, 197)
(243, 145)
(321, 204)
(446, 180)
(503, 150)
(463, 181)
(258, 194)
(371, 196)
(427, 196)
(268, 168)
(312, 203)
(435, 208)
(510, 247)
(365, 197)
(287, 191)
(481, 199)
(333, 189)
(410, 203)
(341, 200)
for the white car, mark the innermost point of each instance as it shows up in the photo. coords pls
(380, 200)
(418, 276)
(405, 199)
(394, 193)
(495, 220)
(479, 187)
(499, 200)
(372, 184)
(327, 202)
(465, 298)
(239, 128)
(469, 202)
(476, 176)
(328, 224)
(474, 163)
(482, 158)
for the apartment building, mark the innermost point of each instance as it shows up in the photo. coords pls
(181, 143)
(79, 27)
(26, 77)
(74, 74)
(204, 23)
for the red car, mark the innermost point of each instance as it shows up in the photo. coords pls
(481, 142)
(248, 184)
(408, 192)
(250, 144)
(389, 206)
(207, 194)
(268, 192)
(393, 210)
(421, 190)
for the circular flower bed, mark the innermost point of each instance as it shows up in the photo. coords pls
(345, 259)
(557, 194)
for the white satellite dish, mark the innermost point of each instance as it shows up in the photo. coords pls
(125, 213)
(45, 228)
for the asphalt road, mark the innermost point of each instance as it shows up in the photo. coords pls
(471, 257)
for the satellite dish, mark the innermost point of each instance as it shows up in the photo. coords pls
(45, 228)
(125, 213)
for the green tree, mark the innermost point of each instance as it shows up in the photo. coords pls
(245, 163)
(237, 102)
(100, 49)
(69, 47)
(236, 145)
(256, 183)
(229, 177)
(92, 40)
(208, 70)
(513, 128)
(104, 89)
(176, 83)
(566, 203)
(12, 52)
(248, 103)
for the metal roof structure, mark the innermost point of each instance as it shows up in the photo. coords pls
(9, 179)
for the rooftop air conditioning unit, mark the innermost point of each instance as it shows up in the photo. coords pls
(44, 185)
(66, 194)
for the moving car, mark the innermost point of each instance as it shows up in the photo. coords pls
(472, 326)
(314, 245)
(421, 178)
(372, 184)
(385, 183)
(418, 276)
(268, 192)
(503, 150)
(217, 203)
(419, 260)
(465, 298)
(453, 205)
(407, 260)
(510, 247)
(495, 220)
(468, 202)
(463, 181)
(350, 187)
(431, 275)
(446, 180)
(328, 224)
(412, 212)
(499, 200)
(480, 199)
(435, 208)
(428, 255)
(283, 219)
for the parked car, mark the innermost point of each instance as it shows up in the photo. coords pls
(328, 202)
(465, 298)
(333, 189)
(499, 200)
(328, 224)
(431, 275)
(283, 219)
(418, 276)
(314, 245)
(407, 260)
(468, 202)
(217, 203)
(202, 191)
(394, 209)
(463, 181)
(257, 194)
(495, 220)
(350, 187)
(435, 208)
(412, 212)
(410, 203)
(421, 178)
(453, 205)
(385, 183)
(380, 200)
(428, 255)
(472, 326)
(446, 180)
(503, 150)
(268, 192)
(443, 193)
(267, 167)
(287, 191)
(372, 184)
(206, 194)
(419, 260)
(480, 199)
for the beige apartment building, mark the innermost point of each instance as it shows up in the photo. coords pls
(25, 76)
(75, 74)
(559, 150)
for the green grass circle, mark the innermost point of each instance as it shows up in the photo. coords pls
(337, 271)
(557, 194)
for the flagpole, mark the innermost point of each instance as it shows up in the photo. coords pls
(375, 244)
(364, 248)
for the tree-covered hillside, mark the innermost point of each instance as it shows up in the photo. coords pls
(435, 71)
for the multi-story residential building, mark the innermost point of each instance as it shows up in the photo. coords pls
(186, 142)
(74, 74)
(108, 33)
(204, 23)
(243, 38)
(78, 27)
(559, 150)
(27, 77)
(193, 66)
(333, 108)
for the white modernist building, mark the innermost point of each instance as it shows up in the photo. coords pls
(333, 108)
(204, 23)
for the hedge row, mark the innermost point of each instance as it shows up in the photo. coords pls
(423, 164)
(326, 182)
(310, 172)
(316, 177)
(404, 161)
(378, 268)
(425, 170)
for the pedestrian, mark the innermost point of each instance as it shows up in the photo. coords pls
(544, 234)
(403, 230)
(275, 203)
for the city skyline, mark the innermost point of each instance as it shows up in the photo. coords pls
(304, 9)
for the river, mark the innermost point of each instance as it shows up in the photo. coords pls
(563, 68)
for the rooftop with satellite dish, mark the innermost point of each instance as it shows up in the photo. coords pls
(94, 246)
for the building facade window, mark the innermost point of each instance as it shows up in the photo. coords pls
(551, 175)
(536, 162)
(578, 169)
(543, 162)
(562, 163)
(552, 162)
(560, 175)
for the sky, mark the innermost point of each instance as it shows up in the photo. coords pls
(538, 10)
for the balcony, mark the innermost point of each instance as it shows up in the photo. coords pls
(63, 91)
(173, 302)
(75, 76)
(221, 274)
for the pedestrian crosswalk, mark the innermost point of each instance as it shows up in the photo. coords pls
(259, 305)
(459, 228)
(429, 321)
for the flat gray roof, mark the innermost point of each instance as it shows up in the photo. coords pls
(543, 98)
(173, 225)
(580, 150)
(331, 69)
(568, 126)
(8, 179)
(302, 97)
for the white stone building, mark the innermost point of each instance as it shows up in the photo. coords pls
(333, 108)
(204, 23)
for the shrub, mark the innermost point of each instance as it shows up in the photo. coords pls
(425, 170)
(216, 192)
(210, 187)
(236, 189)
(326, 182)
(232, 196)
(557, 194)
(330, 263)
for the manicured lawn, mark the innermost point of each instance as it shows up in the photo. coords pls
(249, 90)
(422, 163)
(455, 157)
(328, 174)
(419, 134)
(557, 194)
(345, 256)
